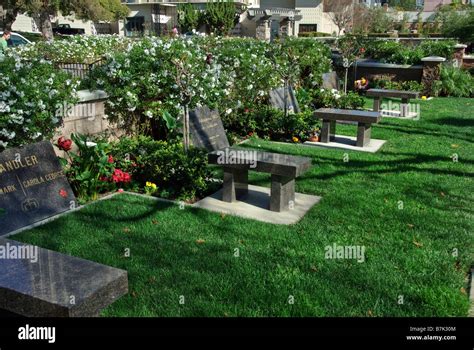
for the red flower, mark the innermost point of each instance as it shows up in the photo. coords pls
(120, 190)
(63, 193)
(120, 176)
(104, 178)
(111, 159)
(362, 50)
(246, 110)
(64, 144)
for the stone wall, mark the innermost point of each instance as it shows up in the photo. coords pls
(88, 117)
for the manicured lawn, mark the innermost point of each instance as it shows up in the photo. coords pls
(409, 252)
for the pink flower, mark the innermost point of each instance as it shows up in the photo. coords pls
(63, 193)
(120, 190)
(111, 159)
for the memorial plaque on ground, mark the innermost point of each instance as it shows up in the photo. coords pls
(33, 186)
(277, 100)
(206, 129)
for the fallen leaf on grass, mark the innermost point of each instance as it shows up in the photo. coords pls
(370, 313)
(313, 268)
(410, 225)
(442, 194)
(134, 294)
(418, 244)
(154, 222)
(463, 290)
(222, 216)
(200, 241)
(126, 230)
(152, 279)
(454, 145)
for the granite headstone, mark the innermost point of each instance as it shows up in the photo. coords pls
(330, 81)
(33, 186)
(206, 129)
(277, 99)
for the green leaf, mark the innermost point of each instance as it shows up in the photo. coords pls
(169, 120)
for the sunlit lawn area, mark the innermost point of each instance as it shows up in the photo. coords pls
(410, 205)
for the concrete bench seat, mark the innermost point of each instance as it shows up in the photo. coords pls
(405, 96)
(207, 132)
(283, 169)
(364, 120)
(56, 285)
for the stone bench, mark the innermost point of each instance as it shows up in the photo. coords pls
(56, 285)
(364, 121)
(207, 132)
(405, 96)
(283, 169)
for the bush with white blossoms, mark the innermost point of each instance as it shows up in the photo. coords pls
(74, 49)
(30, 93)
(150, 82)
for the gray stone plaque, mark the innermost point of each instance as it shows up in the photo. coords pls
(206, 129)
(277, 100)
(33, 186)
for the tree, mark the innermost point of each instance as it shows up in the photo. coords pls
(341, 13)
(456, 23)
(42, 11)
(404, 5)
(188, 17)
(220, 16)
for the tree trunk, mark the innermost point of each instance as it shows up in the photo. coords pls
(43, 22)
(10, 17)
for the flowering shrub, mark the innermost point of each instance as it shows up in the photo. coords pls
(325, 98)
(174, 173)
(93, 169)
(150, 81)
(30, 93)
(75, 49)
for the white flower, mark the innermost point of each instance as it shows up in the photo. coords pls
(229, 111)
(149, 114)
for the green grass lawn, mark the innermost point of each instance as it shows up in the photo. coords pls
(409, 252)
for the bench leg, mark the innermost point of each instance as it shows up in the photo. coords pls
(404, 107)
(283, 193)
(377, 102)
(236, 184)
(363, 134)
(328, 131)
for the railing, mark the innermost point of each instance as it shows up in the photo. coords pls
(79, 70)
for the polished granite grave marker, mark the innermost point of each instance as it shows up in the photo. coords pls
(33, 186)
(206, 129)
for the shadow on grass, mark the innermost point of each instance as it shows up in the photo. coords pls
(454, 122)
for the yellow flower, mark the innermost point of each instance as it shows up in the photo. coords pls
(153, 186)
(295, 139)
(363, 81)
(148, 184)
(424, 98)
